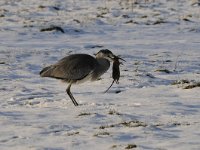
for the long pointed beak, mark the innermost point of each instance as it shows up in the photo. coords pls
(117, 57)
(121, 59)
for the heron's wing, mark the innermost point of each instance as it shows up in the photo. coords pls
(73, 67)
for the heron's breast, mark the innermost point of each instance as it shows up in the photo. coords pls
(86, 78)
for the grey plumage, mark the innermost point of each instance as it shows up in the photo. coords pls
(71, 68)
(78, 68)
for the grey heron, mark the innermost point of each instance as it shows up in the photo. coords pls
(78, 68)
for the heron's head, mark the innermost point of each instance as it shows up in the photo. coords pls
(105, 53)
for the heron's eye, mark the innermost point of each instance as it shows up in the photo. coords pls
(111, 55)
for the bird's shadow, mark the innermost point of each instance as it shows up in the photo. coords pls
(83, 93)
(111, 91)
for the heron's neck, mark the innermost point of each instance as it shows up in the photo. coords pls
(102, 67)
(104, 64)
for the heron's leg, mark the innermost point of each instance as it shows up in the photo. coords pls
(70, 95)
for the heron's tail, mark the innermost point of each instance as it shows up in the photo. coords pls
(46, 72)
